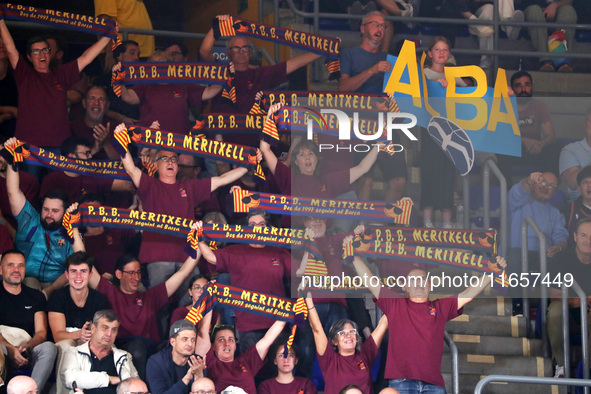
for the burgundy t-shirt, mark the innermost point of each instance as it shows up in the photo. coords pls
(260, 269)
(136, 311)
(339, 371)
(327, 185)
(30, 188)
(42, 103)
(248, 83)
(416, 332)
(168, 104)
(75, 186)
(107, 247)
(79, 128)
(239, 373)
(299, 385)
(177, 199)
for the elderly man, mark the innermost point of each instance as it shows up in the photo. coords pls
(172, 371)
(23, 311)
(132, 385)
(203, 386)
(22, 385)
(98, 363)
(164, 254)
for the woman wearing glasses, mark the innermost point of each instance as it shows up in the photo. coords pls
(196, 285)
(346, 360)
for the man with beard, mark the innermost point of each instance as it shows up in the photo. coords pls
(23, 312)
(172, 371)
(538, 140)
(97, 366)
(38, 236)
(573, 158)
(93, 125)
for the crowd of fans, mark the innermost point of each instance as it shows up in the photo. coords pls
(106, 311)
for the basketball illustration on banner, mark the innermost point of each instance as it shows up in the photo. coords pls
(454, 141)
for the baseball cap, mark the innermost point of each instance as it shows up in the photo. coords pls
(181, 325)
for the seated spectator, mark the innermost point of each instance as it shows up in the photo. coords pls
(476, 10)
(575, 261)
(71, 309)
(558, 11)
(22, 385)
(285, 382)
(223, 366)
(132, 385)
(167, 103)
(23, 312)
(341, 356)
(94, 125)
(203, 386)
(74, 184)
(251, 266)
(172, 371)
(139, 330)
(574, 157)
(579, 209)
(28, 184)
(106, 244)
(538, 139)
(530, 197)
(98, 363)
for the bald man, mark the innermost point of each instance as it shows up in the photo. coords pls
(132, 385)
(204, 384)
(22, 385)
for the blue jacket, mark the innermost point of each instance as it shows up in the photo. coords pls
(160, 373)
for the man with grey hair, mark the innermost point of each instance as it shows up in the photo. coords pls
(132, 385)
(98, 363)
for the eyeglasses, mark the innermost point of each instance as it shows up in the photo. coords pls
(84, 153)
(175, 53)
(243, 49)
(204, 392)
(259, 224)
(197, 288)
(377, 25)
(39, 51)
(186, 167)
(166, 159)
(342, 333)
(545, 182)
(133, 273)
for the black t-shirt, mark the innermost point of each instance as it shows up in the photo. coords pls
(61, 302)
(106, 364)
(19, 310)
(567, 262)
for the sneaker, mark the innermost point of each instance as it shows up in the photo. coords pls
(428, 224)
(513, 31)
(369, 7)
(547, 67)
(565, 68)
(480, 30)
(355, 9)
(447, 225)
(559, 371)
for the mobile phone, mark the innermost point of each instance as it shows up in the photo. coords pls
(74, 385)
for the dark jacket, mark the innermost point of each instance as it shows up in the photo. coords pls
(160, 373)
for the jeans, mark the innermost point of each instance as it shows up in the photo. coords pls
(409, 386)
(41, 359)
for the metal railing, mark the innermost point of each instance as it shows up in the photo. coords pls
(489, 166)
(528, 221)
(584, 330)
(455, 363)
(529, 380)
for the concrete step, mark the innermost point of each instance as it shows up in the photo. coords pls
(491, 305)
(469, 381)
(507, 326)
(500, 365)
(496, 345)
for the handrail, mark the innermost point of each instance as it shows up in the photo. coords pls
(530, 380)
(489, 166)
(584, 330)
(529, 221)
(455, 363)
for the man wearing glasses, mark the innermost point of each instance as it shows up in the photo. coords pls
(42, 101)
(165, 194)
